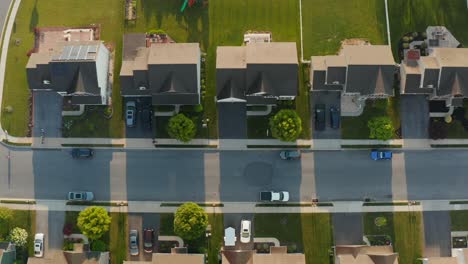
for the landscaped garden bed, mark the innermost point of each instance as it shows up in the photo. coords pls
(22, 219)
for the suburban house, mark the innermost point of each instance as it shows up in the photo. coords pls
(361, 71)
(177, 256)
(459, 256)
(443, 75)
(257, 74)
(79, 255)
(362, 254)
(72, 63)
(277, 255)
(169, 73)
(7, 253)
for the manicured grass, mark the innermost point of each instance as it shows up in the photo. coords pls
(216, 241)
(33, 14)
(308, 233)
(416, 15)
(456, 130)
(26, 220)
(197, 118)
(356, 127)
(405, 230)
(326, 23)
(166, 224)
(92, 124)
(459, 221)
(118, 238)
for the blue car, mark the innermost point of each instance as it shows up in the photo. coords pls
(381, 154)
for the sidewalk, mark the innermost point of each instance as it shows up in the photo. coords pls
(247, 207)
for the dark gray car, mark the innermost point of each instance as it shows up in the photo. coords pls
(334, 117)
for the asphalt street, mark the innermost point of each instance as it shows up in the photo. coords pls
(180, 175)
(4, 5)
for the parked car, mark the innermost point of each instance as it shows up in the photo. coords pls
(245, 231)
(39, 245)
(134, 242)
(320, 117)
(80, 196)
(82, 153)
(130, 113)
(290, 154)
(148, 240)
(334, 117)
(146, 118)
(381, 154)
(270, 196)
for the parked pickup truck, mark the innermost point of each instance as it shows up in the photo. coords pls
(274, 196)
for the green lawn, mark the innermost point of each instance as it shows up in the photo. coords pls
(405, 230)
(308, 233)
(459, 221)
(217, 234)
(356, 127)
(26, 220)
(162, 122)
(326, 23)
(33, 13)
(118, 238)
(415, 15)
(166, 224)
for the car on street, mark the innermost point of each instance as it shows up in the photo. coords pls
(80, 196)
(381, 154)
(271, 196)
(245, 231)
(82, 153)
(320, 117)
(334, 117)
(130, 113)
(290, 154)
(39, 245)
(133, 243)
(148, 240)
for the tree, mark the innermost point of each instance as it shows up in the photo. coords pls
(93, 222)
(6, 215)
(381, 128)
(181, 128)
(190, 221)
(19, 236)
(286, 125)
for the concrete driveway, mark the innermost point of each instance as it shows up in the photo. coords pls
(329, 99)
(414, 112)
(51, 224)
(347, 228)
(47, 114)
(140, 221)
(437, 234)
(232, 120)
(142, 128)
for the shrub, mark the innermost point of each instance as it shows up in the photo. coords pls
(286, 125)
(68, 229)
(438, 129)
(93, 222)
(415, 34)
(67, 245)
(406, 45)
(98, 245)
(181, 128)
(405, 39)
(19, 236)
(198, 108)
(380, 128)
(6, 216)
(380, 221)
(190, 221)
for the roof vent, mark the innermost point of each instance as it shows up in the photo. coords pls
(142, 88)
(46, 82)
(430, 86)
(336, 82)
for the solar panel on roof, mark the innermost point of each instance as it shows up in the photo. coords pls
(74, 53)
(65, 52)
(93, 48)
(83, 52)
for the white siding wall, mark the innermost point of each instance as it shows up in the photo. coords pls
(102, 69)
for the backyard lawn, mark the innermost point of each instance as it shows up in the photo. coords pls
(308, 233)
(323, 32)
(405, 230)
(356, 127)
(416, 15)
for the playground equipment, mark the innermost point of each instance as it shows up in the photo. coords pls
(188, 3)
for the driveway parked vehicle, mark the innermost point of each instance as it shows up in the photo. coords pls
(82, 153)
(130, 113)
(381, 154)
(80, 196)
(320, 117)
(334, 117)
(39, 245)
(270, 196)
(290, 154)
(133, 242)
(245, 231)
(148, 240)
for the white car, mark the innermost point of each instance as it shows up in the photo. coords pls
(245, 231)
(39, 245)
(80, 196)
